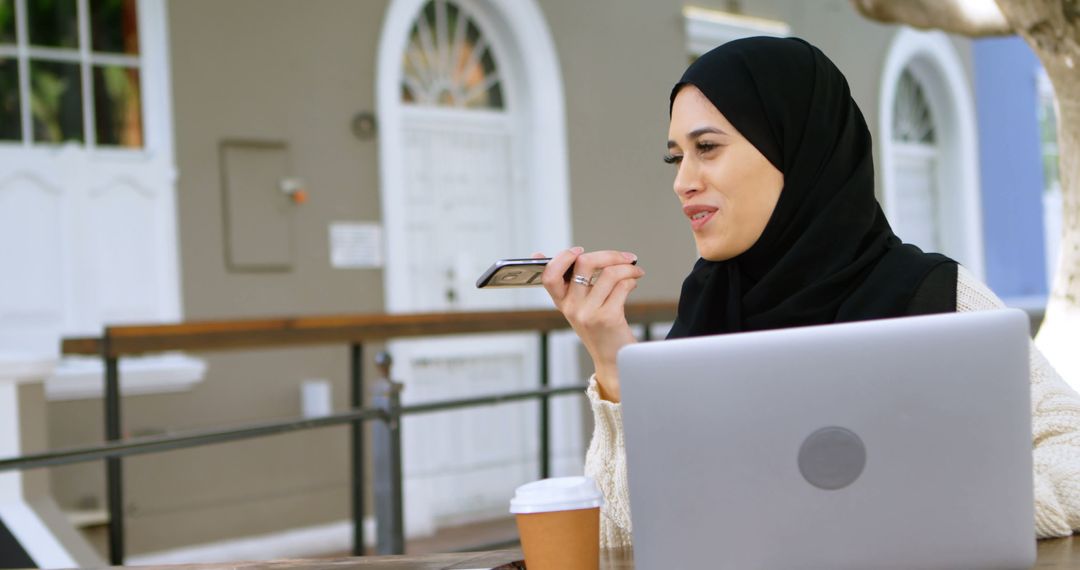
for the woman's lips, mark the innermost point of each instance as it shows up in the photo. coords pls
(699, 215)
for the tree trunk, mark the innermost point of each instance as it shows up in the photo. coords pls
(964, 17)
(1059, 336)
(1052, 29)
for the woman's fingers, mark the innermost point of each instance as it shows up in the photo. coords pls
(589, 264)
(553, 273)
(608, 282)
(616, 301)
(595, 308)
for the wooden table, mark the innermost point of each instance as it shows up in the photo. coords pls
(1056, 553)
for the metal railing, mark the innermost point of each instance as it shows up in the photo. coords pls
(386, 409)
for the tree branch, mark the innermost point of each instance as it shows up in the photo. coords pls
(965, 17)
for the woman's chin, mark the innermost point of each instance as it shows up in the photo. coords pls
(718, 247)
(714, 256)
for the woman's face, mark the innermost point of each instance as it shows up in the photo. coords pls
(727, 188)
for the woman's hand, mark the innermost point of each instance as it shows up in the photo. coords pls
(597, 311)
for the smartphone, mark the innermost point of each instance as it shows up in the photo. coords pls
(524, 272)
(521, 272)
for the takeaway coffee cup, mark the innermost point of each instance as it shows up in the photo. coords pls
(559, 523)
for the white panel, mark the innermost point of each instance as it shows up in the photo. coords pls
(917, 212)
(706, 29)
(125, 237)
(472, 458)
(79, 378)
(568, 437)
(31, 294)
(463, 194)
(461, 218)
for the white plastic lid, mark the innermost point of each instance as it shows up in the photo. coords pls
(557, 494)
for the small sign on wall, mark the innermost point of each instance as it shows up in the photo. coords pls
(355, 245)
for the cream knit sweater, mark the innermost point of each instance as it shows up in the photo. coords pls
(1055, 411)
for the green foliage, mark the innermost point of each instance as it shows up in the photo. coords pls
(47, 91)
(7, 21)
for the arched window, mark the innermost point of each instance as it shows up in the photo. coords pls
(928, 148)
(912, 119)
(448, 61)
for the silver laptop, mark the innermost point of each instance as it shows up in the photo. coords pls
(898, 443)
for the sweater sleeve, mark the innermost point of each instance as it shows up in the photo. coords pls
(605, 462)
(1055, 418)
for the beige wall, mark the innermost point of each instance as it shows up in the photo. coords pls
(298, 71)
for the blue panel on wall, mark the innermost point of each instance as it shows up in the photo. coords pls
(1010, 163)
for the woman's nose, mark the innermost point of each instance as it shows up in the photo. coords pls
(687, 181)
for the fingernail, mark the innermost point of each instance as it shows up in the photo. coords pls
(629, 256)
(577, 249)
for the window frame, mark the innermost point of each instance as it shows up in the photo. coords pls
(443, 42)
(24, 53)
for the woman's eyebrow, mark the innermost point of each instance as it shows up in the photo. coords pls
(704, 131)
(697, 133)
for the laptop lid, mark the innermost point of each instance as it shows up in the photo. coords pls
(897, 443)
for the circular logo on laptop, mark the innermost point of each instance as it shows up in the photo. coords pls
(832, 458)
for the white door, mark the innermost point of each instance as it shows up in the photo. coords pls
(461, 193)
(461, 170)
(916, 215)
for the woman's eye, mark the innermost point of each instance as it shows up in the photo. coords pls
(672, 159)
(704, 147)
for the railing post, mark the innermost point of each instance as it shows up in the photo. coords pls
(114, 473)
(386, 436)
(545, 408)
(357, 394)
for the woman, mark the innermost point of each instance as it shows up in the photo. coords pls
(775, 175)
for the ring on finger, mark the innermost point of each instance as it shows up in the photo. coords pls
(582, 280)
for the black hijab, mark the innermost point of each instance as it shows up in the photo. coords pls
(827, 253)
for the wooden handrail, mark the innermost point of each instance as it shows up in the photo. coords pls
(257, 333)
